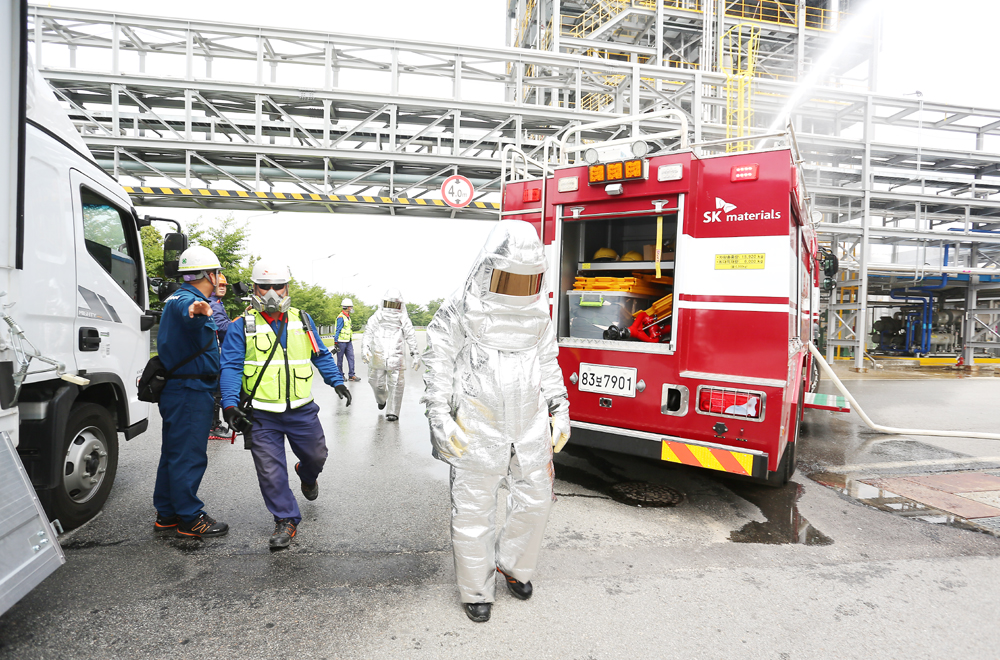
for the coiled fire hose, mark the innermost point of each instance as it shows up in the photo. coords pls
(889, 429)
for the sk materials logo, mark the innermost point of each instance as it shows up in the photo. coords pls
(724, 207)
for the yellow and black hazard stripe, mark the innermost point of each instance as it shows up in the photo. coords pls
(714, 458)
(141, 191)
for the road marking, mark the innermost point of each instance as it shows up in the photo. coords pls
(861, 467)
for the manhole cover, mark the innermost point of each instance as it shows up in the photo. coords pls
(640, 493)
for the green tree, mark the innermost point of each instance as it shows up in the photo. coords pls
(416, 313)
(314, 300)
(361, 313)
(228, 240)
(432, 308)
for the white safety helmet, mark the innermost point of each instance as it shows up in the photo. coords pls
(267, 272)
(392, 301)
(346, 302)
(196, 262)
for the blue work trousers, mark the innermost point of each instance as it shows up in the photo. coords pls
(187, 418)
(305, 436)
(345, 348)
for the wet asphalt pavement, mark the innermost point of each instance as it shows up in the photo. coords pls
(733, 571)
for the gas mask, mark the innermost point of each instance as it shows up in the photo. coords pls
(271, 302)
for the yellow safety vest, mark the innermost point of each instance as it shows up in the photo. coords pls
(286, 384)
(345, 332)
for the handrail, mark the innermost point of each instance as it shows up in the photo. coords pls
(618, 121)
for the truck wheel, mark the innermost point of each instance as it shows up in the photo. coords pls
(788, 463)
(90, 462)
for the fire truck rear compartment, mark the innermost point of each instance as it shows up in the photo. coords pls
(582, 240)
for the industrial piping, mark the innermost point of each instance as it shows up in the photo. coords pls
(889, 429)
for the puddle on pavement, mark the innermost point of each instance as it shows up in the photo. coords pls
(784, 523)
(902, 372)
(885, 500)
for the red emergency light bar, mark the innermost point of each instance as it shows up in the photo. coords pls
(624, 170)
(744, 172)
(727, 402)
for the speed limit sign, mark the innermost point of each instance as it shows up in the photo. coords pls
(457, 191)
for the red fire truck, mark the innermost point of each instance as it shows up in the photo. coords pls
(705, 361)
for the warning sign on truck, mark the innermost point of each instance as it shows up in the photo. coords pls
(739, 262)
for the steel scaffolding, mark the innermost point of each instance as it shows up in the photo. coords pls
(223, 116)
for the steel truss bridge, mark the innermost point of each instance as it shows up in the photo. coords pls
(219, 116)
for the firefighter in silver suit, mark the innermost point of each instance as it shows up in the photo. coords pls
(388, 337)
(498, 408)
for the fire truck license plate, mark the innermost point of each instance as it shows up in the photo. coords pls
(602, 379)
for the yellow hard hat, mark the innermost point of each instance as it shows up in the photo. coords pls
(606, 253)
(632, 255)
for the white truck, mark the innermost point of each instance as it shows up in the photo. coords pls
(74, 335)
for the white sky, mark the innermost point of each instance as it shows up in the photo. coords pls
(946, 50)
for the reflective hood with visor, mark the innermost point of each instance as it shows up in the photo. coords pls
(502, 297)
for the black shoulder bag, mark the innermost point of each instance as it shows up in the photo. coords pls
(155, 376)
(246, 404)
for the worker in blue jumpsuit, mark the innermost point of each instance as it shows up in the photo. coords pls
(188, 345)
(219, 429)
(268, 358)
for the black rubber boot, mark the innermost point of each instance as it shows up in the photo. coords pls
(521, 590)
(311, 491)
(204, 526)
(478, 612)
(284, 532)
(381, 406)
(166, 524)
(391, 418)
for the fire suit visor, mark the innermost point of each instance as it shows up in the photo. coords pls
(392, 304)
(511, 284)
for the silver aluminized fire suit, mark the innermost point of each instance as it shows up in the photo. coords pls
(388, 337)
(492, 381)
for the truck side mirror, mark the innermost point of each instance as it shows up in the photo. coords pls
(241, 289)
(174, 245)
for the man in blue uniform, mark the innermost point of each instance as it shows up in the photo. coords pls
(219, 429)
(268, 357)
(187, 344)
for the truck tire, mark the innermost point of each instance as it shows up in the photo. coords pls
(90, 462)
(788, 463)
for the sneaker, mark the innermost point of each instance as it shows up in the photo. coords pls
(381, 406)
(202, 526)
(521, 590)
(311, 491)
(221, 432)
(284, 532)
(478, 612)
(355, 378)
(391, 418)
(166, 524)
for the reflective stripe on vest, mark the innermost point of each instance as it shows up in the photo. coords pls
(287, 381)
(345, 332)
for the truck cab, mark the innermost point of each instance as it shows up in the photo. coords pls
(75, 331)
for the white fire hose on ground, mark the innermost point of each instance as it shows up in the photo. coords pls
(828, 370)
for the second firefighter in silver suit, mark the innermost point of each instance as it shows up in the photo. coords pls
(497, 407)
(388, 338)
